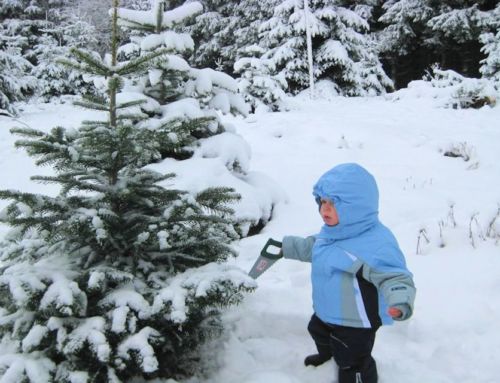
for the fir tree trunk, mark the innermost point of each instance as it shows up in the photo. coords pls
(113, 81)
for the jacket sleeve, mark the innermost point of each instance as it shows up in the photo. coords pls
(397, 287)
(298, 248)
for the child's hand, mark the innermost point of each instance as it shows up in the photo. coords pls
(394, 312)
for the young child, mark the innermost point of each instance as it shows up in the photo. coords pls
(359, 276)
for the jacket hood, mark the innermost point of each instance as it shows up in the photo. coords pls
(354, 193)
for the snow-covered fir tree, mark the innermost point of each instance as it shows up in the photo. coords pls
(15, 80)
(173, 77)
(404, 42)
(214, 34)
(16, 40)
(54, 79)
(407, 21)
(40, 31)
(456, 29)
(490, 66)
(369, 10)
(342, 50)
(262, 87)
(116, 277)
(224, 29)
(419, 33)
(227, 37)
(176, 92)
(95, 12)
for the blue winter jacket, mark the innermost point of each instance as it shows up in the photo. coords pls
(358, 269)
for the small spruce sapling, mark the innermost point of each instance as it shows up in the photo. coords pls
(116, 277)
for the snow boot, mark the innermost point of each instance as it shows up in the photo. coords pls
(316, 360)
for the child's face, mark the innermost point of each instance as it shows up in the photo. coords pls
(328, 212)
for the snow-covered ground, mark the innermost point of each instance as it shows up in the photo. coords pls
(453, 335)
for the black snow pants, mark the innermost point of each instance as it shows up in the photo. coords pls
(350, 347)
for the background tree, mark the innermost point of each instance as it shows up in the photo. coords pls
(173, 78)
(456, 30)
(419, 33)
(490, 66)
(175, 91)
(53, 78)
(95, 12)
(116, 276)
(342, 51)
(21, 21)
(40, 31)
(405, 40)
(225, 29)
(15, 81)
(258, 81)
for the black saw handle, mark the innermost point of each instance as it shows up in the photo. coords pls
(265, 253)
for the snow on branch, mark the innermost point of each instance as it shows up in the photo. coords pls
(22, 284)
(89, 331)
(127, 297)
(64, 296)
(172, 41)
(198, 283)
(133, 18)
(139, 343)
(26, 367)
(230, 148)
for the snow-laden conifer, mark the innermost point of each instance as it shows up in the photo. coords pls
(491, 64)
(173, 77)
(54, 79)
(419, 33)
(457, 28)
(116, 277)
(263, 89)
(406, 23)
(490, 67)
(342, 51)
(225, 29)
(15, 80)
(175, 93)
(40, 32)
(171, 80)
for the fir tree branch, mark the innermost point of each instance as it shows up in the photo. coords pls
(90, 64)
(141, 63)
(92, 105)
(130, 104)
(143, 26)
(131, 117)
(95, 124)
(70, 183)
(179, 255)
(216, 199)
(27, 132)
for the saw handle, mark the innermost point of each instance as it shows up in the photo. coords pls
(265, 253)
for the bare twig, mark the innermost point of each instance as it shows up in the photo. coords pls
(480, 234)
(441, 238)
(491, 232)
(421, 234)
(451, 216)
